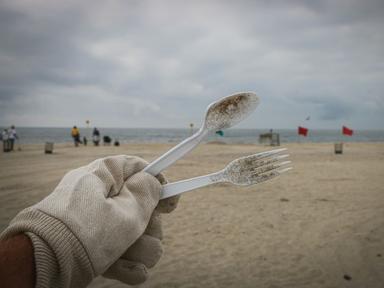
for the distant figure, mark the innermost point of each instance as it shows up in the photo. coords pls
(5, 139)
(12, 136)
(85, 141)
(107, 140)
(116, 143)
(76, 135)
(96, 136)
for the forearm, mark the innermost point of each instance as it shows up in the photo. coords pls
(60, 259)
(17, 268)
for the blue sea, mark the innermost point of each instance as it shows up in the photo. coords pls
(160, 135)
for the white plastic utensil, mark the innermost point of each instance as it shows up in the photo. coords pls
(243, 171)
(221, 114)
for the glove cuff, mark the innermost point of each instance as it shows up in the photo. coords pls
(60, 259)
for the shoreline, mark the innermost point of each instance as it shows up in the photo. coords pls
(70, 143)
(233, 136)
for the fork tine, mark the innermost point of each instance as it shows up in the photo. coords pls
(272, 157)
(281, 171)
(282, 156)
(267, 167)
(262, 162)
(265, 154)
(283, 163)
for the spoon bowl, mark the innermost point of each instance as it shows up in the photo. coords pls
(230, 110)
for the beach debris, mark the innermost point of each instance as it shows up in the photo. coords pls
(255, 168)
(230, 110)
(221, 114)
(243, 171)
(322, 199)
(347, 277)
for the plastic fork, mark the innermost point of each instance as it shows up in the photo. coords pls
(243, 171)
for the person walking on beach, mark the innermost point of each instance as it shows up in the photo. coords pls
(5, 139)
(102, 219)
(96, 136)
(12, 137)
(75, 132)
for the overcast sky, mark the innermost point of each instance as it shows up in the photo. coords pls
(160, 63)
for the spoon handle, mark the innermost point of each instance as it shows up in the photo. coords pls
(175, 153)
(179, 187)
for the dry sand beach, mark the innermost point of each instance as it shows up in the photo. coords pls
(320, 225)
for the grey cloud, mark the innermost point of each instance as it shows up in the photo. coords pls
(329, 108)
(135, 63)
(332, 111)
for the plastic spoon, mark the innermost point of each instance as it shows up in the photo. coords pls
(221, 114)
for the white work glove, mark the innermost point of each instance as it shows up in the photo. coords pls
(132, 267)
(89, 221)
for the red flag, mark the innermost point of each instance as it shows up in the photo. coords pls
(347, 131)
(302, 131)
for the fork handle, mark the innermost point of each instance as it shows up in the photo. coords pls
(179, 187)
(175, 153)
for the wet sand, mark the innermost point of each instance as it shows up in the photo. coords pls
(320, 225)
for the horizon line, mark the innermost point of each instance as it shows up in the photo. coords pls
(233, 128)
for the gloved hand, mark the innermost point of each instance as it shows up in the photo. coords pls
(90, 220)
(132, 267)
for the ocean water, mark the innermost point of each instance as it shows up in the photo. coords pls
(148, 135)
